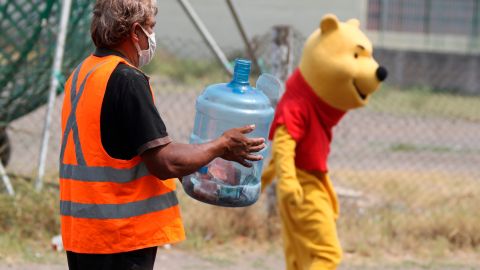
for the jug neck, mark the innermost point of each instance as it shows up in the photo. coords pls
(241, 73)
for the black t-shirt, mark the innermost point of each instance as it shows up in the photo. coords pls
(129, 120)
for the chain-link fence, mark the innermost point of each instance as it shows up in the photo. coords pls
(406, 167)
(27, 45)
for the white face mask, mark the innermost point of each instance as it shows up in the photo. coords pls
(145, 56)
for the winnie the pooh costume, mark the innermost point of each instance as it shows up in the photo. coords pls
(337, 73)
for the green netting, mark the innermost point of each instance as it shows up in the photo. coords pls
(28, 33)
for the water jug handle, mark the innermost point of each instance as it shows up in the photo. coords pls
(271, 86)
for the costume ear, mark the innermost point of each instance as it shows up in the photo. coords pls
(329, 23)
(354, 22)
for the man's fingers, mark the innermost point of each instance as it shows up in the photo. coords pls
(256, 141)
(254, 157)
(247, 129)
(257, 148)
(245, 163)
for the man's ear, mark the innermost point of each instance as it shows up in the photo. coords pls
(134, 32)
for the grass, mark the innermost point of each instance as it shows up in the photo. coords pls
(413, 220)
(192, 73)
(186, 71)
(418, 148)
(209, 225)
(28, 221)
(426, 215)
(425, 102)
(428, 218)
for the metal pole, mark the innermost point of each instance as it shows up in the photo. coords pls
(6, 180)
(206, 35)
(427, 22)
(56, 69)
(364, 13)
(241, 29)
(475, 27)
(383, 21)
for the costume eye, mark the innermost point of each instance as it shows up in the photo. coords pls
(362, 50)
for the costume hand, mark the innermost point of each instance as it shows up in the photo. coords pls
(268, 175)
(296, 195)
(292, 193)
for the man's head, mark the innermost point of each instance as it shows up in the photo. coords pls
(124, 25)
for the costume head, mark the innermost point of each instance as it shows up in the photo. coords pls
(338, 64)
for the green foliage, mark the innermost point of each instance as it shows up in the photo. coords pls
(426, 102)
(184, 70)
(408, 147)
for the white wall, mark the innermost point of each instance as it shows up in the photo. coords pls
(258, 17)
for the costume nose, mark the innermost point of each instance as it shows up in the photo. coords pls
(381, 73)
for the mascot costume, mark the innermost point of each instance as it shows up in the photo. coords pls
(337, 73)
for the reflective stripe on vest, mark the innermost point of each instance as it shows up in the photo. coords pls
(102, 174)
(126, 210)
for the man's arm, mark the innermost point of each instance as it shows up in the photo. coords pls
(176, 160)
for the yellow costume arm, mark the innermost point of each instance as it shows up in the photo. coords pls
(283, 150)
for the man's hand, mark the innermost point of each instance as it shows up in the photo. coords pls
(239, 148)
(176, 160)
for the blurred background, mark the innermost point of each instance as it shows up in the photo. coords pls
(406, 167)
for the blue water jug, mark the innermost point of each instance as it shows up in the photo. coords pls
(221, 107)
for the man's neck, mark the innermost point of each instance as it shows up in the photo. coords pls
(129, 52)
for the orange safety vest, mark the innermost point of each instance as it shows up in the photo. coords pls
(107, 205)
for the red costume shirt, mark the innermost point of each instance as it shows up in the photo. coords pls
(309, 120)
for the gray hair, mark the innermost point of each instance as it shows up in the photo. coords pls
(113, 19)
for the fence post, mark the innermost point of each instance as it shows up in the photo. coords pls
(281, 60)
(6, 180)
(56, 69)
(281, 57)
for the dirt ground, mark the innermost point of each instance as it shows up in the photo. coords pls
(270, 259)
(178, 259)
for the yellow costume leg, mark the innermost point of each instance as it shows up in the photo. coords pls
(315, 220)
(308, 208)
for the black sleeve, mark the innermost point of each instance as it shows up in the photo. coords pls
(130, 122)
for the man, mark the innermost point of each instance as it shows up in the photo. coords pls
(115, 210)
